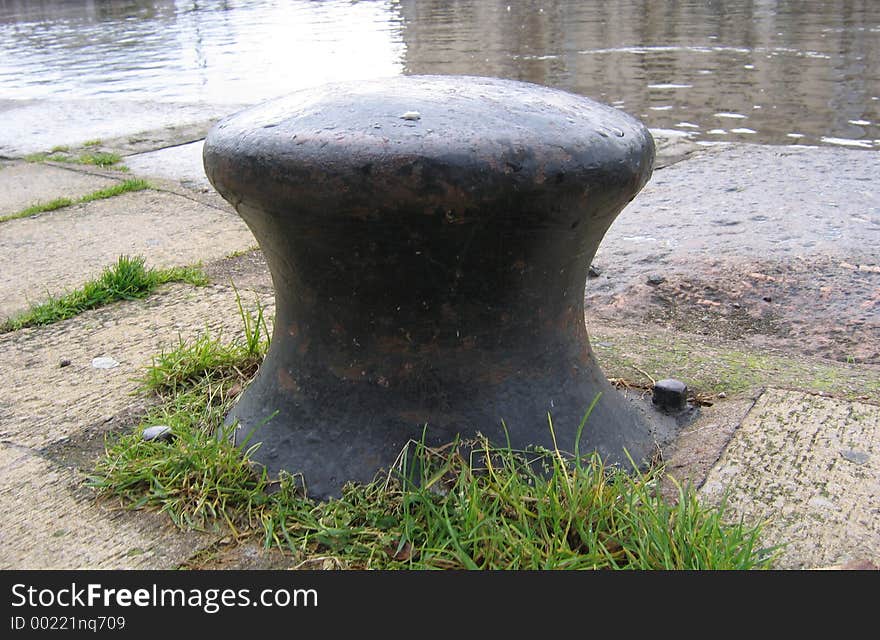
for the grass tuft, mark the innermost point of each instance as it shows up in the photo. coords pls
(198, 479)
(52, 205)
(468, 505)
(99, 159)
(208, 361)
(475, 506)
(62, 153)
(135, 184)
(127, 279)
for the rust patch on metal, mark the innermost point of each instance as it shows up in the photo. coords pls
(353, 372)
(286, 381)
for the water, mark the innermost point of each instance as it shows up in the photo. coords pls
(766, 71)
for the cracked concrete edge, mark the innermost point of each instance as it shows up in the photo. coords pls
(120, 124)
(24, 184)
(173, 136)
(200, 195)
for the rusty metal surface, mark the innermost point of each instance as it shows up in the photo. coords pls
(429, 239)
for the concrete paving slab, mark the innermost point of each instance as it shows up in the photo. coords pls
(52, 404)
(59, 250)
(182, 163)
(164, 137)
(23, 184)
(809, 468)
(49, 520)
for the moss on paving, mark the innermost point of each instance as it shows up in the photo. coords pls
(59, 203)
(714, 367)
(101, 159)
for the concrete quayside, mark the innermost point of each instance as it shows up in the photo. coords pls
(751, 272)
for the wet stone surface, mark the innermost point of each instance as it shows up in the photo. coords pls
(40, 125)
(778, 245)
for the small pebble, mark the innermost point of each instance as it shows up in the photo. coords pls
(856, 457)
(670, 394)
(655, 279)
(594, 272)
(411, 115)
(767, 299)
(158, 433)
(104, 362)
(64, 363)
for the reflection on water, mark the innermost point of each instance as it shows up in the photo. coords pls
(774, 71)
(226, 52)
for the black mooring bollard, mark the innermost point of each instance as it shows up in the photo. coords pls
(429, 239)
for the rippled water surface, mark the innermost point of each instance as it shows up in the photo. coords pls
(772, 71)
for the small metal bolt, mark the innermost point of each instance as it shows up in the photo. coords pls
(670, 394)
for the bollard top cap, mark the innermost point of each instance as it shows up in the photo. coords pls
(388, 129)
